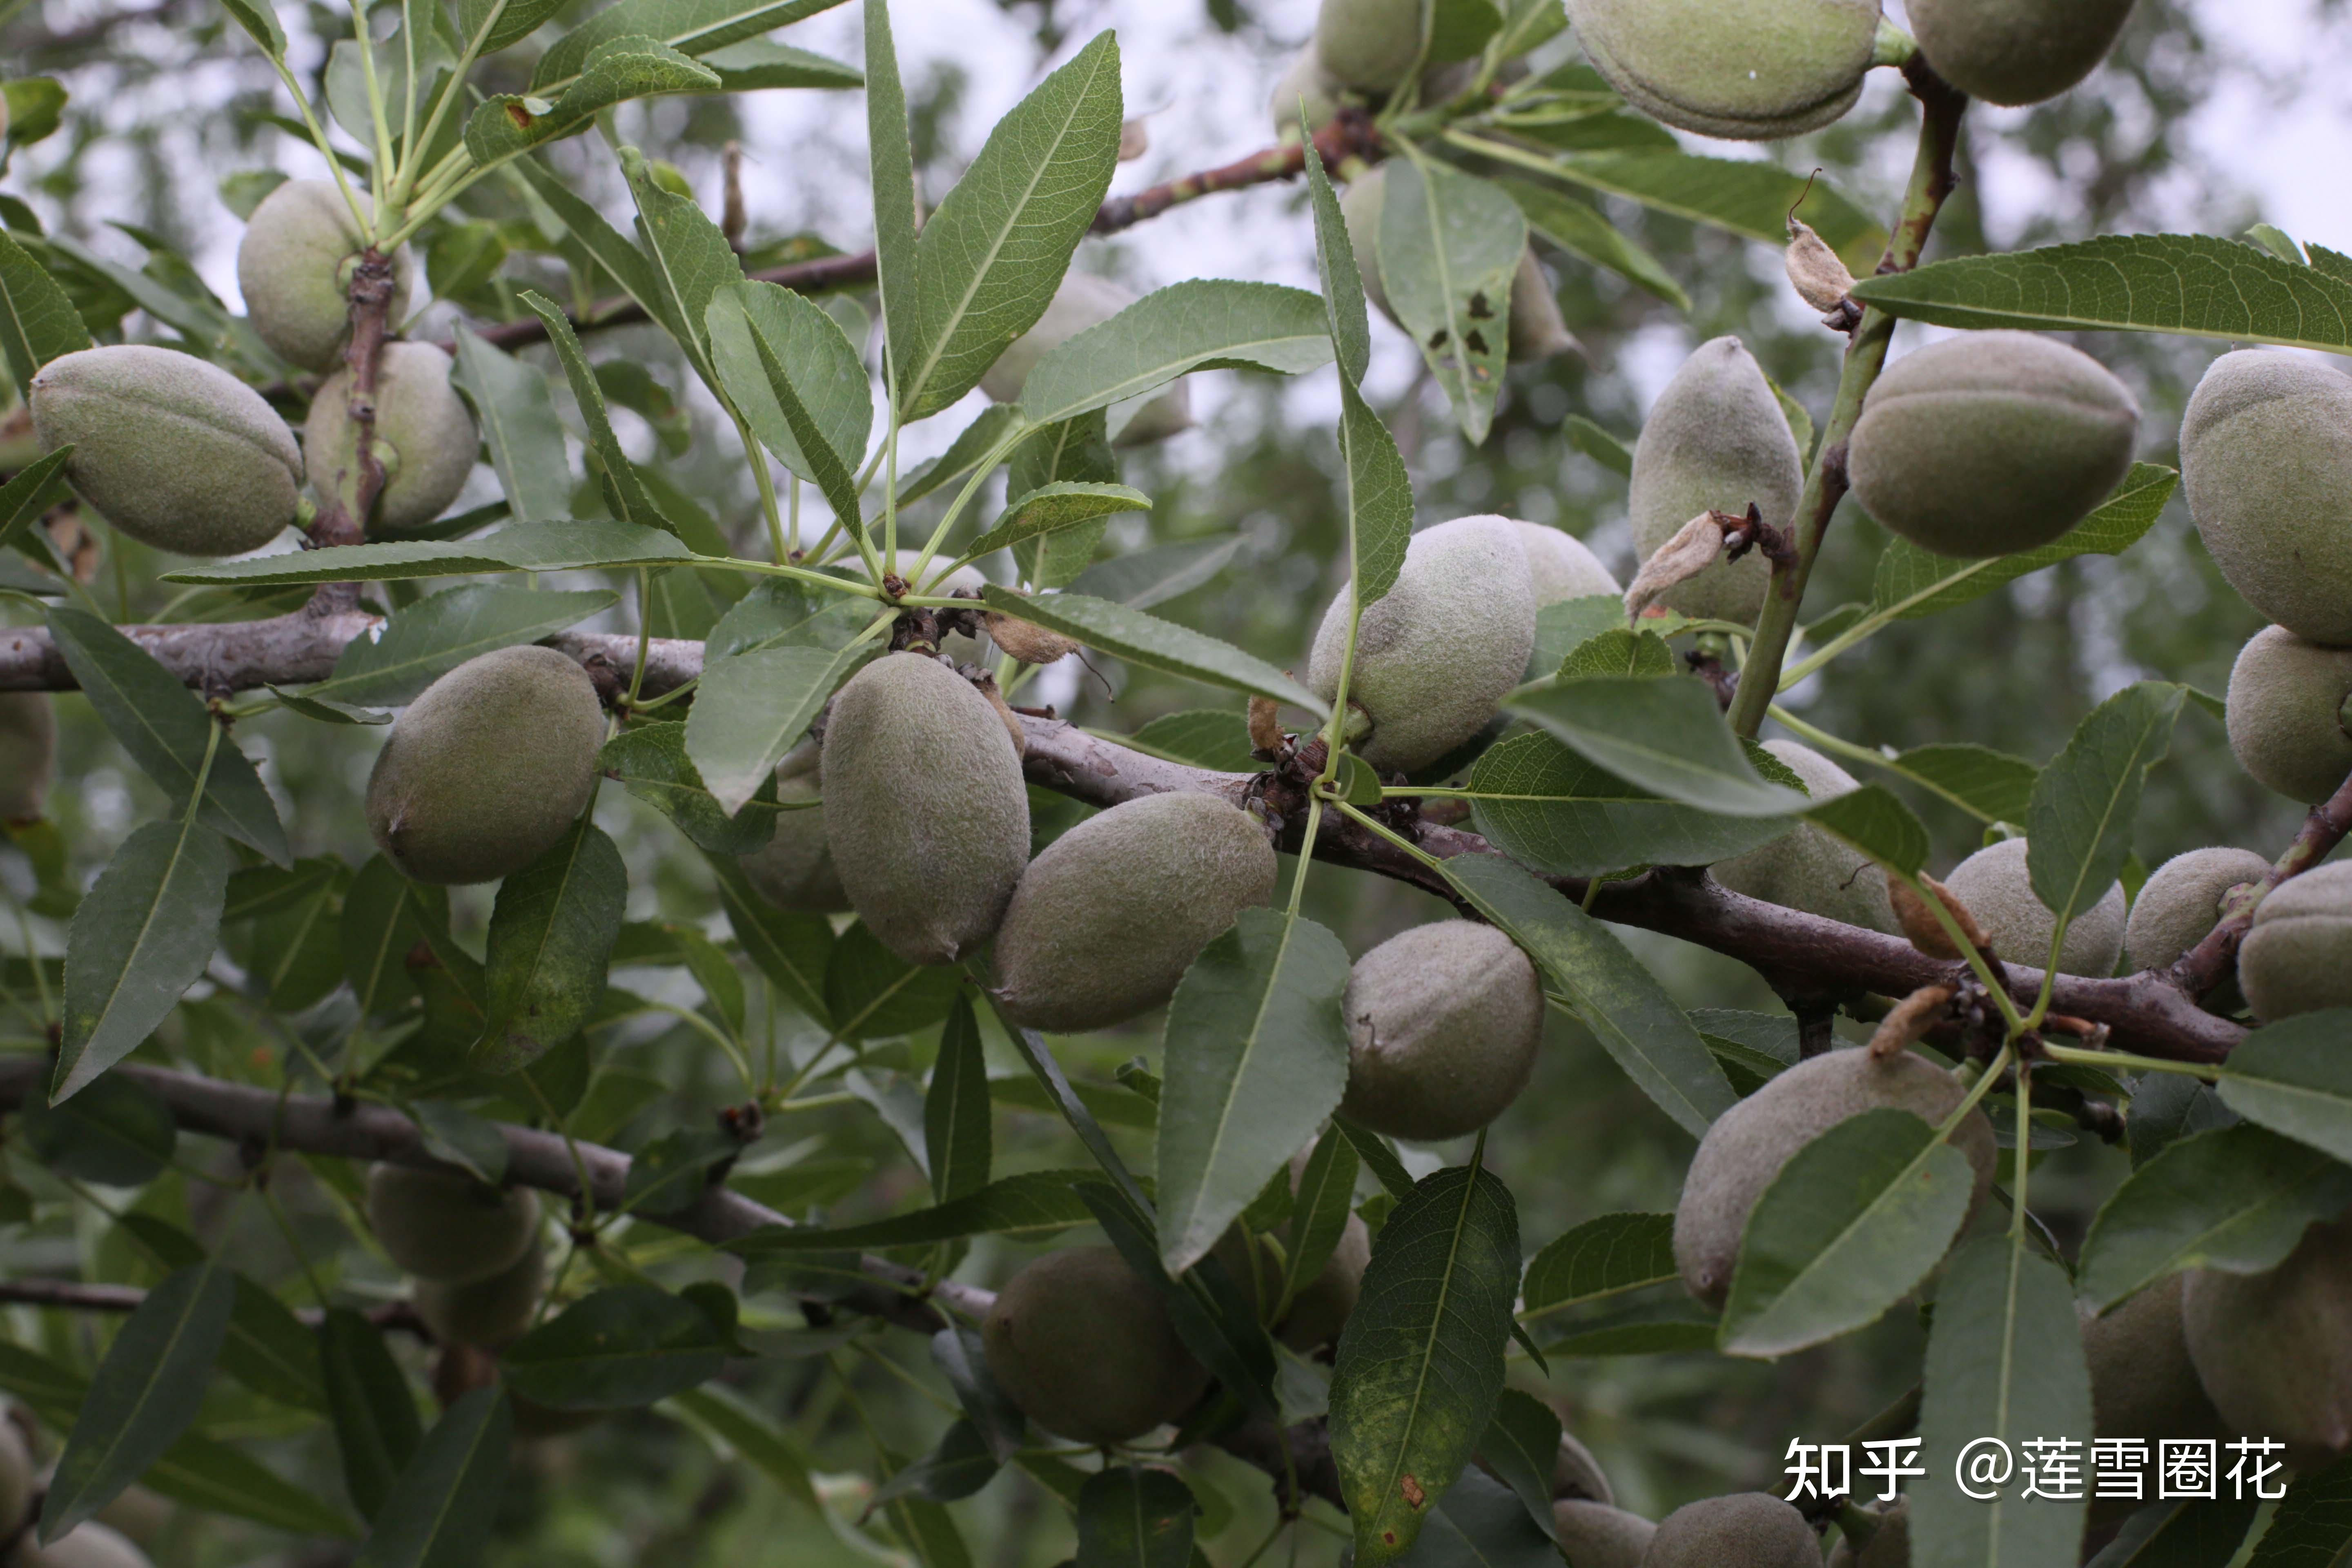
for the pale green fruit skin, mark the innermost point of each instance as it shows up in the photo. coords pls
(2297, 957)
(16, 1476)
(1083, 1346)
(485, 1312)
(1994, 884)
(1753, 1530)
(1324, 1304)
(1308, 80)
(2267, 463)
(1577, 1475)
(1889, 1548)
(140, 1515)
(1596, 1535)
(291, 268)
(489, 768)
(2182, 903)
(2142, 1383)
(28, 753)
(1990, 443)
(1716, 439)
(1559, 566)
(1436, 654)
(1754, 70)
(176, 452)
(1807, 870)
(1369, 45)
(1085, 301)
(1749, 1142)
(1444, 1021)
(925, 807)
(2274, 1350)
(793, 869)
(1105, 921)
(425, 434)
(2286, 714)
(89, 1545)
(446, 1226)
(2016, 51)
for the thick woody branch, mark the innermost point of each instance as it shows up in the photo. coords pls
(75, 1296)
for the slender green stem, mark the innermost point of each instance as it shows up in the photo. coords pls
(1020, 432)
(645, 633)
(379, 113)
(412, 152)
(326, 148)
(2024, 1151)
(1306, 854)
(757, 456)
(2130, 1063)
(1383, 831)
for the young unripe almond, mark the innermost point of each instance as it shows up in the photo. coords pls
(1753, 1530)
(2016, 51)
(1714, 440)
(925, 807)
(176, 452)
(2143, 1383)
(2266, 464)
(2297, 955)
(1755, 70)
(1990, 443)
(1305, 81)
(1889, 1546)
(485, 1312)
(15, 1475)
(2286, 714)
(1082, 1344)
(1105, 921)
(1085, 301)
(2274, 1350)
(2183, 901)
(1324, 1304)
(1597, 1535)
(1749, 1142)
(793, 869)
(1996, 887)
(1369, 45)
(425, 437)
(1560, 568)
(1575, 1473)
(487, 768)
(1444, 1021)
(1807, 870)
(91, 1545)
(28, 753)
(294, 268)
(444, 1225)
(1435, 655)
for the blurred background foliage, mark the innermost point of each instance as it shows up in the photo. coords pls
(171, 115)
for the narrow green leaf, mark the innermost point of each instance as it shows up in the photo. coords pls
(1482, 1524)
(141, 937)
(1911, 582)
(508, 126)
(1257, 1057)
(38, 321)
(1342, 280)
(1215, 1316)
(1320, 1212)
(758, 64)
(690, 256)
(956, 1109)
(652, 763)
(2079, 823)
(1153, 576)
(2237, 1198)
(1612, 992)
(143, 1396)
(1449, 243)
(1552, 810)
(891, 173)
(1601, 1258)
(1378, 1156)
(492, 24)
(384, 917)
(259, 19)
(1664, 735)
(1198, 324)
(723, 1415)
(612, 249)
(2188, 1533)
(1746, 197)
(797, 380)
(872, 994)
(624, 1346)
(2004, 1363)
(425, 640)
(519, 426)
(1600, 445)
(551, 935)
(30, 491)
(119, 1131)
(211, 1477)
(2312, 1527)
(1522, 1446)
(1052, 508)
(1581, 229)
(2166, 1108)
(440, 1509)
(1031, 1204)
(1148, 640)
(792, 947)
(1989, 785)
(2293, 1076)
(1876, 823)
(754, 708)
(961, 1356)
(518, 547)
(959, 1465)
(2189, 283)
(690, 27)
(374, 1414)
(622, 493)
(1135, 1517)
(1420, 1364)
(1204, 737)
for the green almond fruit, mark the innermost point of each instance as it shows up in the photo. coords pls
(91, 1545)
(28, 754)
(294, 268)
(926, 810)
(1305, 81)
(1560, 566)
(1995, 885)
(1575, 1473)
(1715, 440)
(1754, 70)
(2183, 901)
(444, 1225)
(1753, 1530)
(1436, 654)
(2266, 464)
(1749, 1143)
(1369, 45)
(793, 869)
(2285, 712)
(2143, 1384)
(1072, 954)
(1806, 869)
(489, 768)
(1084, 300)
(1990, 443)
(2016, 51)
(485, 1312)
(174, 450)
(2274, 1350)
(1598, 1535)
(1083, 1346)
(2297, 955)
(1443, 1022)
(1889, 1545)
(425, 437)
